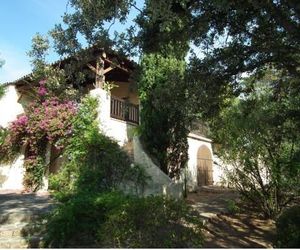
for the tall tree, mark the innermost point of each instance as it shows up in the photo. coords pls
(242, 37)
(161, 75)
(165, 116)
(228, 38)
(259, 133)
(166, 111)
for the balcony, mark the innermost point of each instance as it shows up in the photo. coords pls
(123, 110)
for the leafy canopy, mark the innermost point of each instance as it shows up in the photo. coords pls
(259, 134)
(226, 39)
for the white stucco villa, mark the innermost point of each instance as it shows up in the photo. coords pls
(119, 115)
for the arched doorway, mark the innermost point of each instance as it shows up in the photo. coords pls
(204, 166)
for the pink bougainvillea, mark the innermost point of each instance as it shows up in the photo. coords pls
(42, 82)
(51, 119)
(20, 124)
(42, 90)
(46, 120)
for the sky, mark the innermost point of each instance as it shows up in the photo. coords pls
(20, 20)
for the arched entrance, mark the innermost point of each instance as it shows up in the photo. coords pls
(204, 166)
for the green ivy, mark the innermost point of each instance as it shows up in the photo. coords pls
(3, 134)
(35, 171)
(94, 162)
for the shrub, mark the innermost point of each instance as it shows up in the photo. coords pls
(94, 167)
(232, 207)
(114, 220)
(152, 222)
(75, 222)
(93, 214)
(94, 162)
(288, 228)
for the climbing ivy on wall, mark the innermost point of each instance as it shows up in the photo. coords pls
(93, 161)
(164, 114)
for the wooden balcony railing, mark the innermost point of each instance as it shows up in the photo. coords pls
(123, 110)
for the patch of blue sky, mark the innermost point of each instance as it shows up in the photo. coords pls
(20, 20)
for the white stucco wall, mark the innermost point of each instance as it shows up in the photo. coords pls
(195, 142)
(122, 132)
(160, 183)
(9, 106)
(11, 176)
(225, 170)
(221, 170)
(119, 130)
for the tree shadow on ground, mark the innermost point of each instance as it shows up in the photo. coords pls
(239, 231)
(224, 230)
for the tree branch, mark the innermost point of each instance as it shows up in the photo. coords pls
(134, 6)
(282, 19)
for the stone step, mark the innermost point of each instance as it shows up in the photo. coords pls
(22, 219)
(11, 230)
(19, 217)
(214, 189)
(20, 242)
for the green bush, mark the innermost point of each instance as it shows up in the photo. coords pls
(93, 161)
(76, 221)
(115, 220)
(152, 222)
(92, 214)
(288, 228)
(232, 207)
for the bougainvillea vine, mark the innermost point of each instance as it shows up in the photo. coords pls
(46, 120)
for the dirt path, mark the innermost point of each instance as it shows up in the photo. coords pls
(224, 230)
